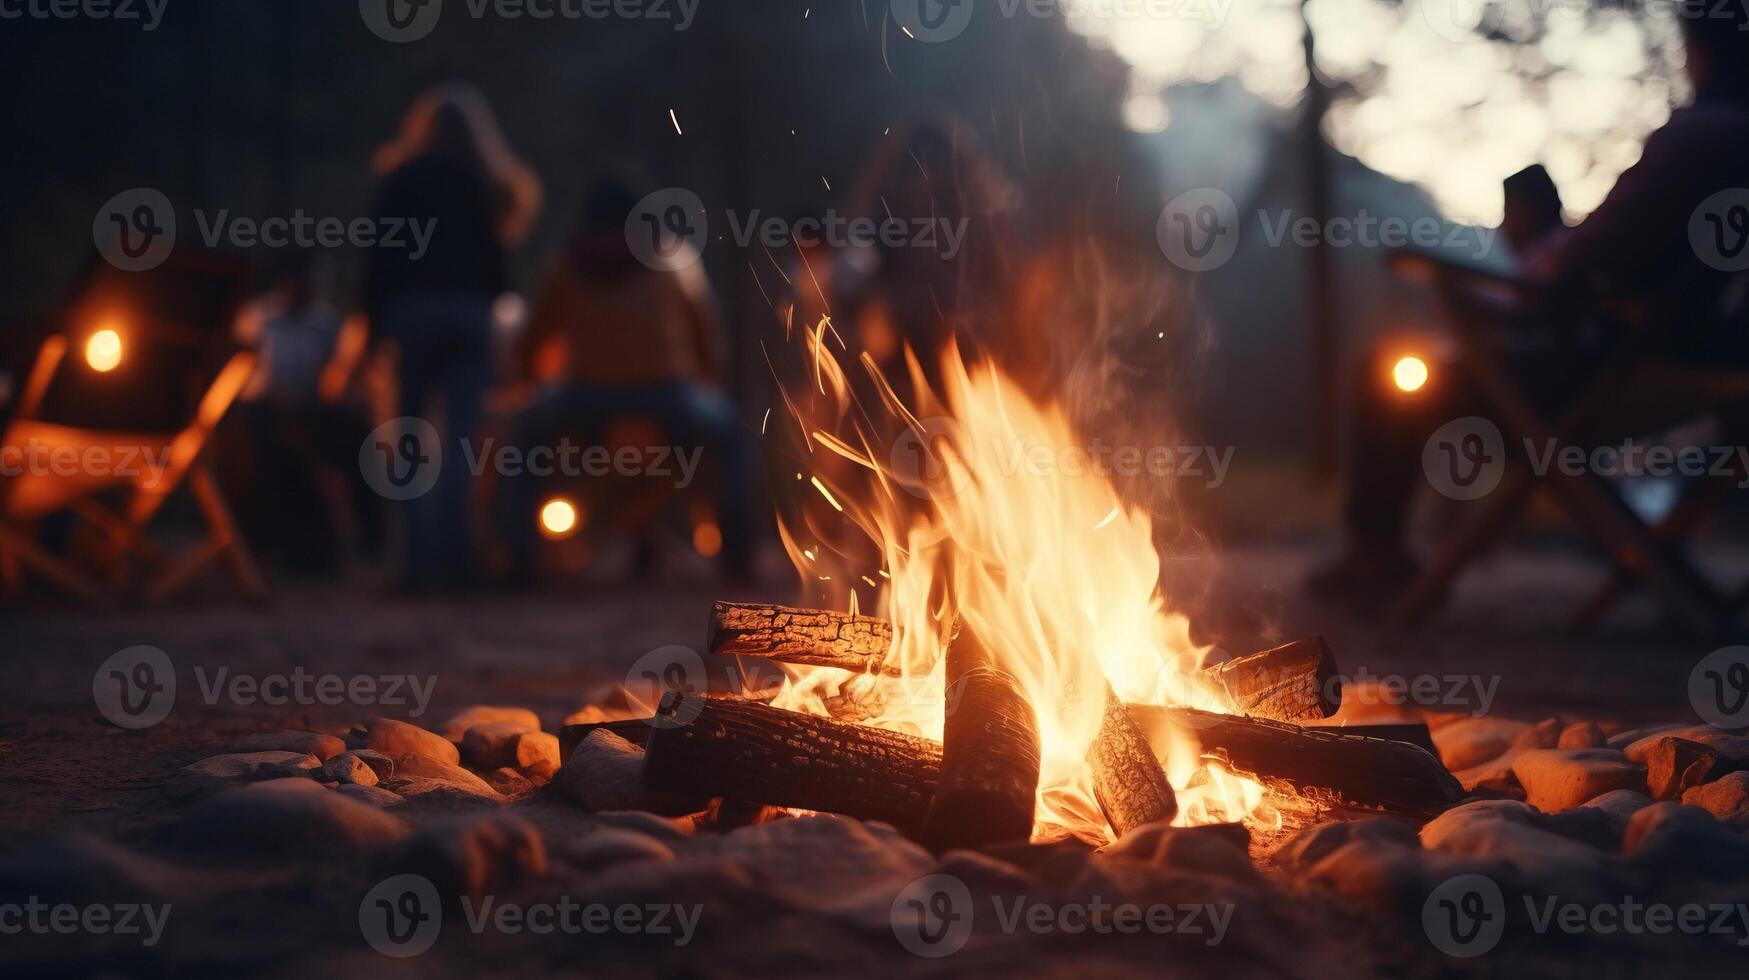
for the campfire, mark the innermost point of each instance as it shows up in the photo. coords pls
(1026, 679)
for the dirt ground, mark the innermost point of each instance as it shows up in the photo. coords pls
(64, 769)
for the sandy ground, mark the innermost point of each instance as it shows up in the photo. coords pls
(63, 768)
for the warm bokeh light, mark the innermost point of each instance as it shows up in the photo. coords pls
(103, 350)
(1409, 373)
(707, 539)
(558, 518)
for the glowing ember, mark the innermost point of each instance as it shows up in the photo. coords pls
(943, 500)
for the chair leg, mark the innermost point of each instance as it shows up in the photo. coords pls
(1492, 518)
(222, 540)
(27, 552)
(1694, 508)
(218, 515)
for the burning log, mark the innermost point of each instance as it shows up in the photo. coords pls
(1371, 772)
(753, 752)
(989, 754)
(1294, 682)
(1128, 781)
(812, 637)
(1415, 733)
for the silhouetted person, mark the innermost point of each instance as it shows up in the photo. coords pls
(1637, 242)
(449, 166)
(611, 338)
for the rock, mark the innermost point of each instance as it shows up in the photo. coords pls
(1321, 840)
(379, 763)
(1582, 735)
(1545, 734)
(397, 738)
(374, 795)
(1380, 874)
(1726, 797)
(1728, 746)
(509, 783)
(347, 767)
(1672, 837)
(323, 747)
(1539, 846)
(1620, 805)
(481, 714)
(537, 754)
(604, 847)
(472, 855)
(417, 775)
(501, 744)
(1676, 764)
(606, 772)
(1560, 779)
(1494, 776)
(1469, 741)
(284, 818)
(219, 772)
(492, 745)
(1219, 849)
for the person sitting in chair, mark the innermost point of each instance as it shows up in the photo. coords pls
(611, 337)
(1641, 242)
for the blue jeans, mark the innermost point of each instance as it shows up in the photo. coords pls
(446, 357)
(691, 417)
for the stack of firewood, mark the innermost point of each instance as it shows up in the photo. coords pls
(978, 785)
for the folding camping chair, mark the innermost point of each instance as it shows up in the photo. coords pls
(65, 412)
(1473, 300)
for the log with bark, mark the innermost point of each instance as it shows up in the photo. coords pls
(812, 637)
(1128, 780)
(1371, 772)
(1414, 732)
(753, 752)
(1295, 682)
(989, 753)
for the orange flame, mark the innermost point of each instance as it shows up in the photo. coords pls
(965, 507)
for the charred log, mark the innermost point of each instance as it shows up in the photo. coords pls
(812, 637)
(1371, 772)
(989, 756)
(1128, 780)
(1294, 682)
(753, 752)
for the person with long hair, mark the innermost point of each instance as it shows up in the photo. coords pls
(450, 166)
